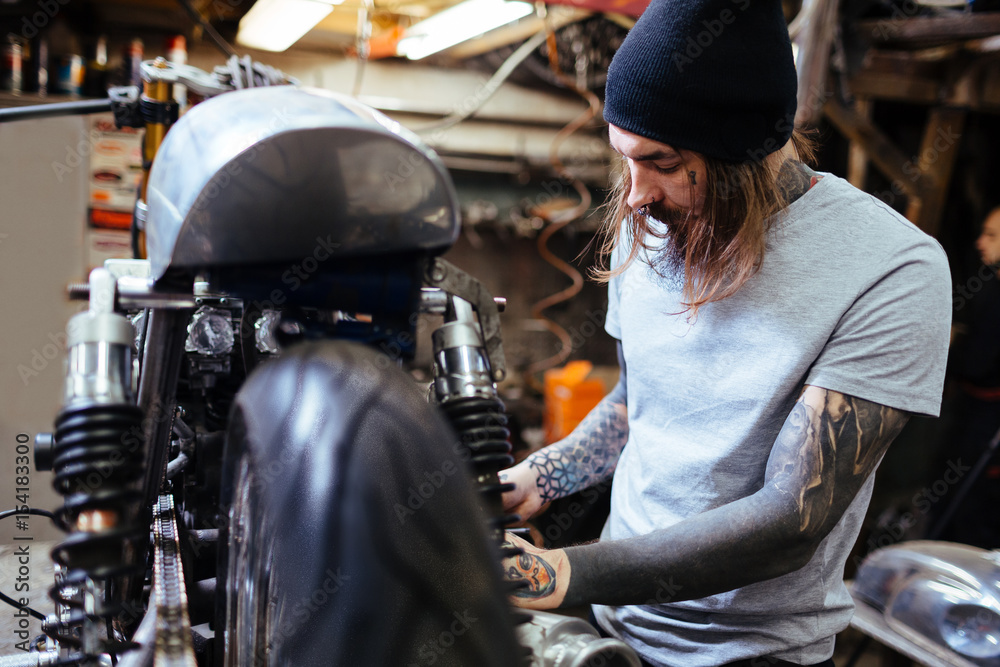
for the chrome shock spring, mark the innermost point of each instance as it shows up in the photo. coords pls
(95, 466)
(464, 388)
(481, 426)
(96, 458)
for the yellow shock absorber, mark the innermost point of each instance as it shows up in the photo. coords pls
(160, 92)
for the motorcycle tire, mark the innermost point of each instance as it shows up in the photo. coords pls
(354, 537)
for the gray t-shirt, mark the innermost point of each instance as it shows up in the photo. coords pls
(850, 297)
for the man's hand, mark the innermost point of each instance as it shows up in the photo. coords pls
(525, 499)
(546, 574)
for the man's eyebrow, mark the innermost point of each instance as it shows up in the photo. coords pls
(655, 155)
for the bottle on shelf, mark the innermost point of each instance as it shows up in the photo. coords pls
(131, 63)
(95, 81)
(66, 75)
(13, 58)
(69, 74)
(176, 48)
(36, 72)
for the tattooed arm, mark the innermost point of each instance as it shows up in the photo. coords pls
(585, 457)
(828, 446)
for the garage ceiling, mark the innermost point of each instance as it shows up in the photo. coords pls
(123, 18)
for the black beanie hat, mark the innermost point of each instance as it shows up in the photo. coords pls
(712, 76)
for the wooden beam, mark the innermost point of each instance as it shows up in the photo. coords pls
(936, 162)
(814, 61)
(888, 159)
(903, 29)
(948, 75)
(857, 157)
(914, 90)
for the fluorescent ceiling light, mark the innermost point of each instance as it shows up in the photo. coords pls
(457, 24)
(274, 25)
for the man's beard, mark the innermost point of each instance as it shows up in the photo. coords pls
(671, 254)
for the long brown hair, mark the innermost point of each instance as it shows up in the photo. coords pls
(725, 245)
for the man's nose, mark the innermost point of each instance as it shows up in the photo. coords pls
(642, 189)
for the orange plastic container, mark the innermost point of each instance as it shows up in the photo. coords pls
(569, 396)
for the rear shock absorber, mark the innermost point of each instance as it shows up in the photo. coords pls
(96, 460)
(464, 388)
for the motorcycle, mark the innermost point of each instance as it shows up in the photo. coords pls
(249, 476)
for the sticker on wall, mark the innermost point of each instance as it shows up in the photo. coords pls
(115, 172)
(105, 244)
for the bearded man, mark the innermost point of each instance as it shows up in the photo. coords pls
(775, 328)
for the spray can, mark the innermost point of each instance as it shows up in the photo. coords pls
(69, 74)
(13, 54)
(95, 80)
(37, 78)
(176, 48)
(132, 62)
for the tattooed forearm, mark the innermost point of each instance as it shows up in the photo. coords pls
(590, 453)
(587, 456)
(538, 575)
(828, 447)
